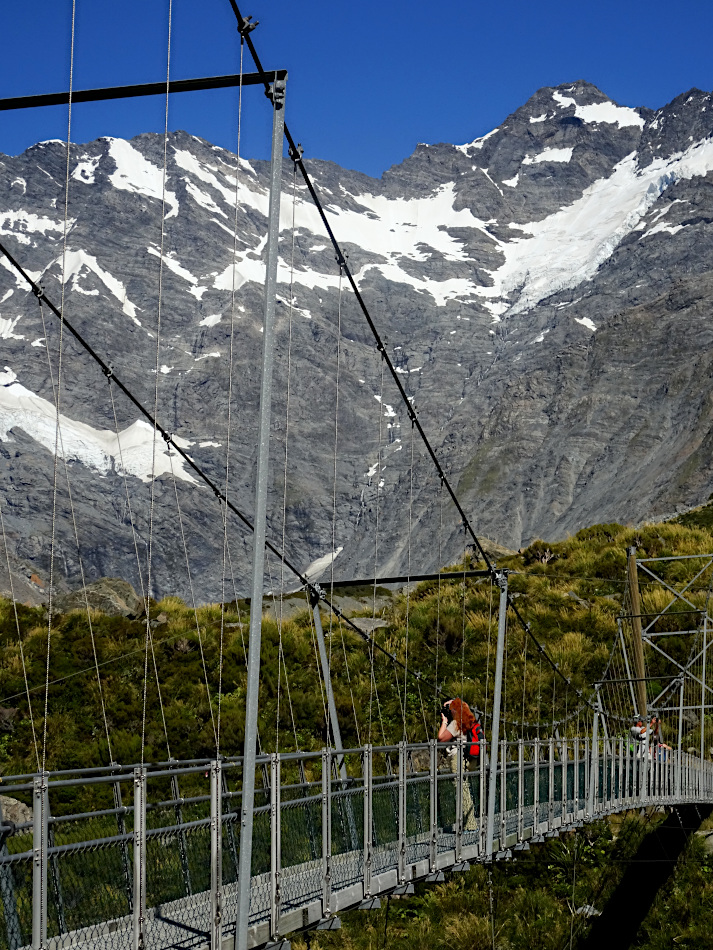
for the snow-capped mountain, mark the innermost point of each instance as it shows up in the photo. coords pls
(544, 292)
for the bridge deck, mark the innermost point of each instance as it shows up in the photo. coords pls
(310, 861)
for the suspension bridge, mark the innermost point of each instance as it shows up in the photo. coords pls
(242, 851)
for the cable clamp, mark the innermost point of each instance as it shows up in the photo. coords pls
(276, 93)
(39, 291)
(246, 26)
(296, 152)
(108, 372)
(166, 435)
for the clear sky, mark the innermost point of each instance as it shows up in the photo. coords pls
(368, 81)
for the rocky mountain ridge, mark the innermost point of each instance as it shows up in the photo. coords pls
(544, 292)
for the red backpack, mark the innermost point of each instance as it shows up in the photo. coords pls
(473, 737)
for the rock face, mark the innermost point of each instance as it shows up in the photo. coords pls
(544, 292)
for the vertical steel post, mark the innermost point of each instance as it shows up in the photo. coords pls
(536, 817)
(459, 798)
(551, 785)
(594, 767)
(216, 855)
(368, 830)
(612, 773)
(326, 832)
(587, 766)
(40, 815)
(502, 833)
(679, 772)
(502, 582)
(402, 813)
(703, 686)
(275, 848)
(481, 798)
(139, 935)
(433, 802)
(575, 783)
(520, 789)
(564, 764)
(258, 565)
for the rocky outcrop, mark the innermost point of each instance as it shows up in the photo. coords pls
(110, 595)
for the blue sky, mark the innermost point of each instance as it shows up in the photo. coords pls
(367, 81)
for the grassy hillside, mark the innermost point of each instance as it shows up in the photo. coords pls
(570, 593)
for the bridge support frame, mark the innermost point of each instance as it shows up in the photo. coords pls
(40, 826)
(502, 582)
(277, 91)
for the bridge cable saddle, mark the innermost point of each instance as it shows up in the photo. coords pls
(247, 25)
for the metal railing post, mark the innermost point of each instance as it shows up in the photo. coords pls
(368, 831)
(433, 803)
(502, 834)
(402, 813)
(481, 798)
(594, 766)
(502, 582)
(536, 816)
(139, 934)
(520, 789)
(679, 773)
(575, 780)
(40, 816)
(587, 765)
(277, 92)
(459, 799)
(551, 785)
(275, 847)
(216, 855)
(326, 832)
(564, 765)
(612, 773)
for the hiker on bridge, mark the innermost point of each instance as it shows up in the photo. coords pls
(457, 721)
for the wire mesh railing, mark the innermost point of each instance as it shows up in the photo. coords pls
(158, 854)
